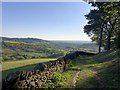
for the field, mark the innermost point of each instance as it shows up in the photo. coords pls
(12, 66)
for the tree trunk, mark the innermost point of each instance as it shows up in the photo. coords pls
(108, 42)
(118, 40)
(100, 40)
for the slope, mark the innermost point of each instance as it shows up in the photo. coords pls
(29, 48)
(99, 71)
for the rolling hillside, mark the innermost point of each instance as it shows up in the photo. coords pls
(30, 48)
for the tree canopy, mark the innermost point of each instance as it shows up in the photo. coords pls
(104, 24)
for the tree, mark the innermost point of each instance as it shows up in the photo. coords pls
(112, 11)
(103, 23)
(95, 26)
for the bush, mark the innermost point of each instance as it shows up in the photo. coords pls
(5, 58)
(57, 81)
(20, 57)
(12, 58)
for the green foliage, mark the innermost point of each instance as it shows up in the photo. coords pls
(19, 57)
(56, 81)
(103, 23)
(6, 58)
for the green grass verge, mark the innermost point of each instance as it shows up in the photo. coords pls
(99, 71)
(12, 66)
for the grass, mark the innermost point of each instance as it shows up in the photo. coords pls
(12, 66)
(99, 71)
(86, 79)
(69, 75)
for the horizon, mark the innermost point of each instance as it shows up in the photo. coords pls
(40, 38)
(45, 20)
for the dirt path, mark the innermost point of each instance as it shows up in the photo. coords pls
(75, 79)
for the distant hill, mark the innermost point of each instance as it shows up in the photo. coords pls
(76, 44)
(27, 40)
(28, 48)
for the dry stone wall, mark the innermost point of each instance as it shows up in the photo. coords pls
(41, 73)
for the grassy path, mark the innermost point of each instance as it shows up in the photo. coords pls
(100, 71)
(88, 76)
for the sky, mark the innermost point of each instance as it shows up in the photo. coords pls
(45, 20)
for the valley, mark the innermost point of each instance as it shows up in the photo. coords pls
(32, 48)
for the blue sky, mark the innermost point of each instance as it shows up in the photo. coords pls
(45, 20)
